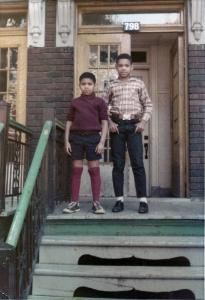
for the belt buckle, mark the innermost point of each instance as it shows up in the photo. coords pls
(126, 117)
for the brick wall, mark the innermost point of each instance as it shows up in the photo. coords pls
(196, 119)
(50, 75)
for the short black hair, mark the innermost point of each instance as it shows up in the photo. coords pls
(87, 75)
(124, 56)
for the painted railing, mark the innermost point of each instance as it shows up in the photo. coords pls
(22, 207)
(46, 184)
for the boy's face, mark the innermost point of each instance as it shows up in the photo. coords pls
(87, 86)
(124, 68)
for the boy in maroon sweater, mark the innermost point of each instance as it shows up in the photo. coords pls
(87, 117)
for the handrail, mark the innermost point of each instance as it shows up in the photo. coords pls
(18, 220)
(19, 126)
(1, 126)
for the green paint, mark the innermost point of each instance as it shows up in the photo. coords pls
(1, 127)
(19, 126)
(22, 207)
(125, 227)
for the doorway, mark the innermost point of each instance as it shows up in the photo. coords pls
(158, 59)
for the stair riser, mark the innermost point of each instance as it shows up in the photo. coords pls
(65, 285)
(65, 254)
(136, 227)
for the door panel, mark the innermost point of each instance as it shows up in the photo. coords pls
(97, 53)
(178, 119)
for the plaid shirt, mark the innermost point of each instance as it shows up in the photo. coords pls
(129, 97)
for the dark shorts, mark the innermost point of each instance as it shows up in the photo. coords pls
(83, 146)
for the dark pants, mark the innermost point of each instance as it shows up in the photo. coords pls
(127, 136)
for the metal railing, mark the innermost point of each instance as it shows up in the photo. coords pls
(46, 184)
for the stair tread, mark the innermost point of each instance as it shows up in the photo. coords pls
(160, 208)
(122, 241)
(119, 271)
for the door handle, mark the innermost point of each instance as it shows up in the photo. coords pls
(146, 150)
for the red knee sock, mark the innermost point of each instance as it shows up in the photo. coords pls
(95, 182)
(75, 183)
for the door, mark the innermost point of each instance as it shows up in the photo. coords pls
(13, 62)
(178, 119)
(97, 53)
(143, 75)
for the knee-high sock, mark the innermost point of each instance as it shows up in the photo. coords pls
(95, 182)
(75, 183)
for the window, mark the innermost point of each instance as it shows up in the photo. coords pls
(13, 20)
(111, 19)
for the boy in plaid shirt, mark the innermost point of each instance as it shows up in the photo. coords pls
(130, 107)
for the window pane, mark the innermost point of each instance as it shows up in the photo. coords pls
(3, 97)
(13, 20)
(12, 100)
(139, 56)
(3, 58)
(103, 55)
(118, 19)
(113, 53)
(13, 53)
(12, 85)
(3, 81)
(93, 56)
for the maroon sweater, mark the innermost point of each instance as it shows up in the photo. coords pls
(86, 113)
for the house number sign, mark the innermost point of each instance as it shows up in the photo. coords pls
(131, 26)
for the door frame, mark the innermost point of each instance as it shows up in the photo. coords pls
(149, 6)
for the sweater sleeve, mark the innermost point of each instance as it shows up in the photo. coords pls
(103, 114)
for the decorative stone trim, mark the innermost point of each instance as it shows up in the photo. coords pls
(196, 21)
(36, 23)
(64, 23)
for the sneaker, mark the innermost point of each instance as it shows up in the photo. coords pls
(72, 207)
(97, 208)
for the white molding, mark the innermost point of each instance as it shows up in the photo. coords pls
(36, 23)
(196, 21)
(65, 23)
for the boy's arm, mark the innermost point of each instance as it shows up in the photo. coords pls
(147, 108)
(66, 137)
(108, 99)
(100, 146)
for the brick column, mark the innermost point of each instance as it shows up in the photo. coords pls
(196, 65)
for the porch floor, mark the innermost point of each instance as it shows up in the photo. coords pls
(159, 208)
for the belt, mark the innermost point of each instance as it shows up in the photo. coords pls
(125, 117)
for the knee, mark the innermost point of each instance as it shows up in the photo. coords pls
(119, 165)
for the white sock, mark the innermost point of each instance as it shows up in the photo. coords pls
(143, 199)
(121, 198)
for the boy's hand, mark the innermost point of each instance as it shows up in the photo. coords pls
(100, 148)
(140, 127)
(68, 148)
(113, 127)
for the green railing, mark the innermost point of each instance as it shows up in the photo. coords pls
(22, 207)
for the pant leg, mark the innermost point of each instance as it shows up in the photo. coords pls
(135, 149)
(118, 147)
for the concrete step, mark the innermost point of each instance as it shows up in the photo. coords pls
(68, 249)
(63, 280)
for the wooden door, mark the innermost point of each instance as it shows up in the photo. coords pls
(142, 74)
(178, 119)
(97, 53)
(13, 72)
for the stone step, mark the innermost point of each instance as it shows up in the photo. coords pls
(63, 280)
(68, 249)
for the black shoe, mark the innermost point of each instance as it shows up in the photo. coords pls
(143, 208)
(118, 207)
